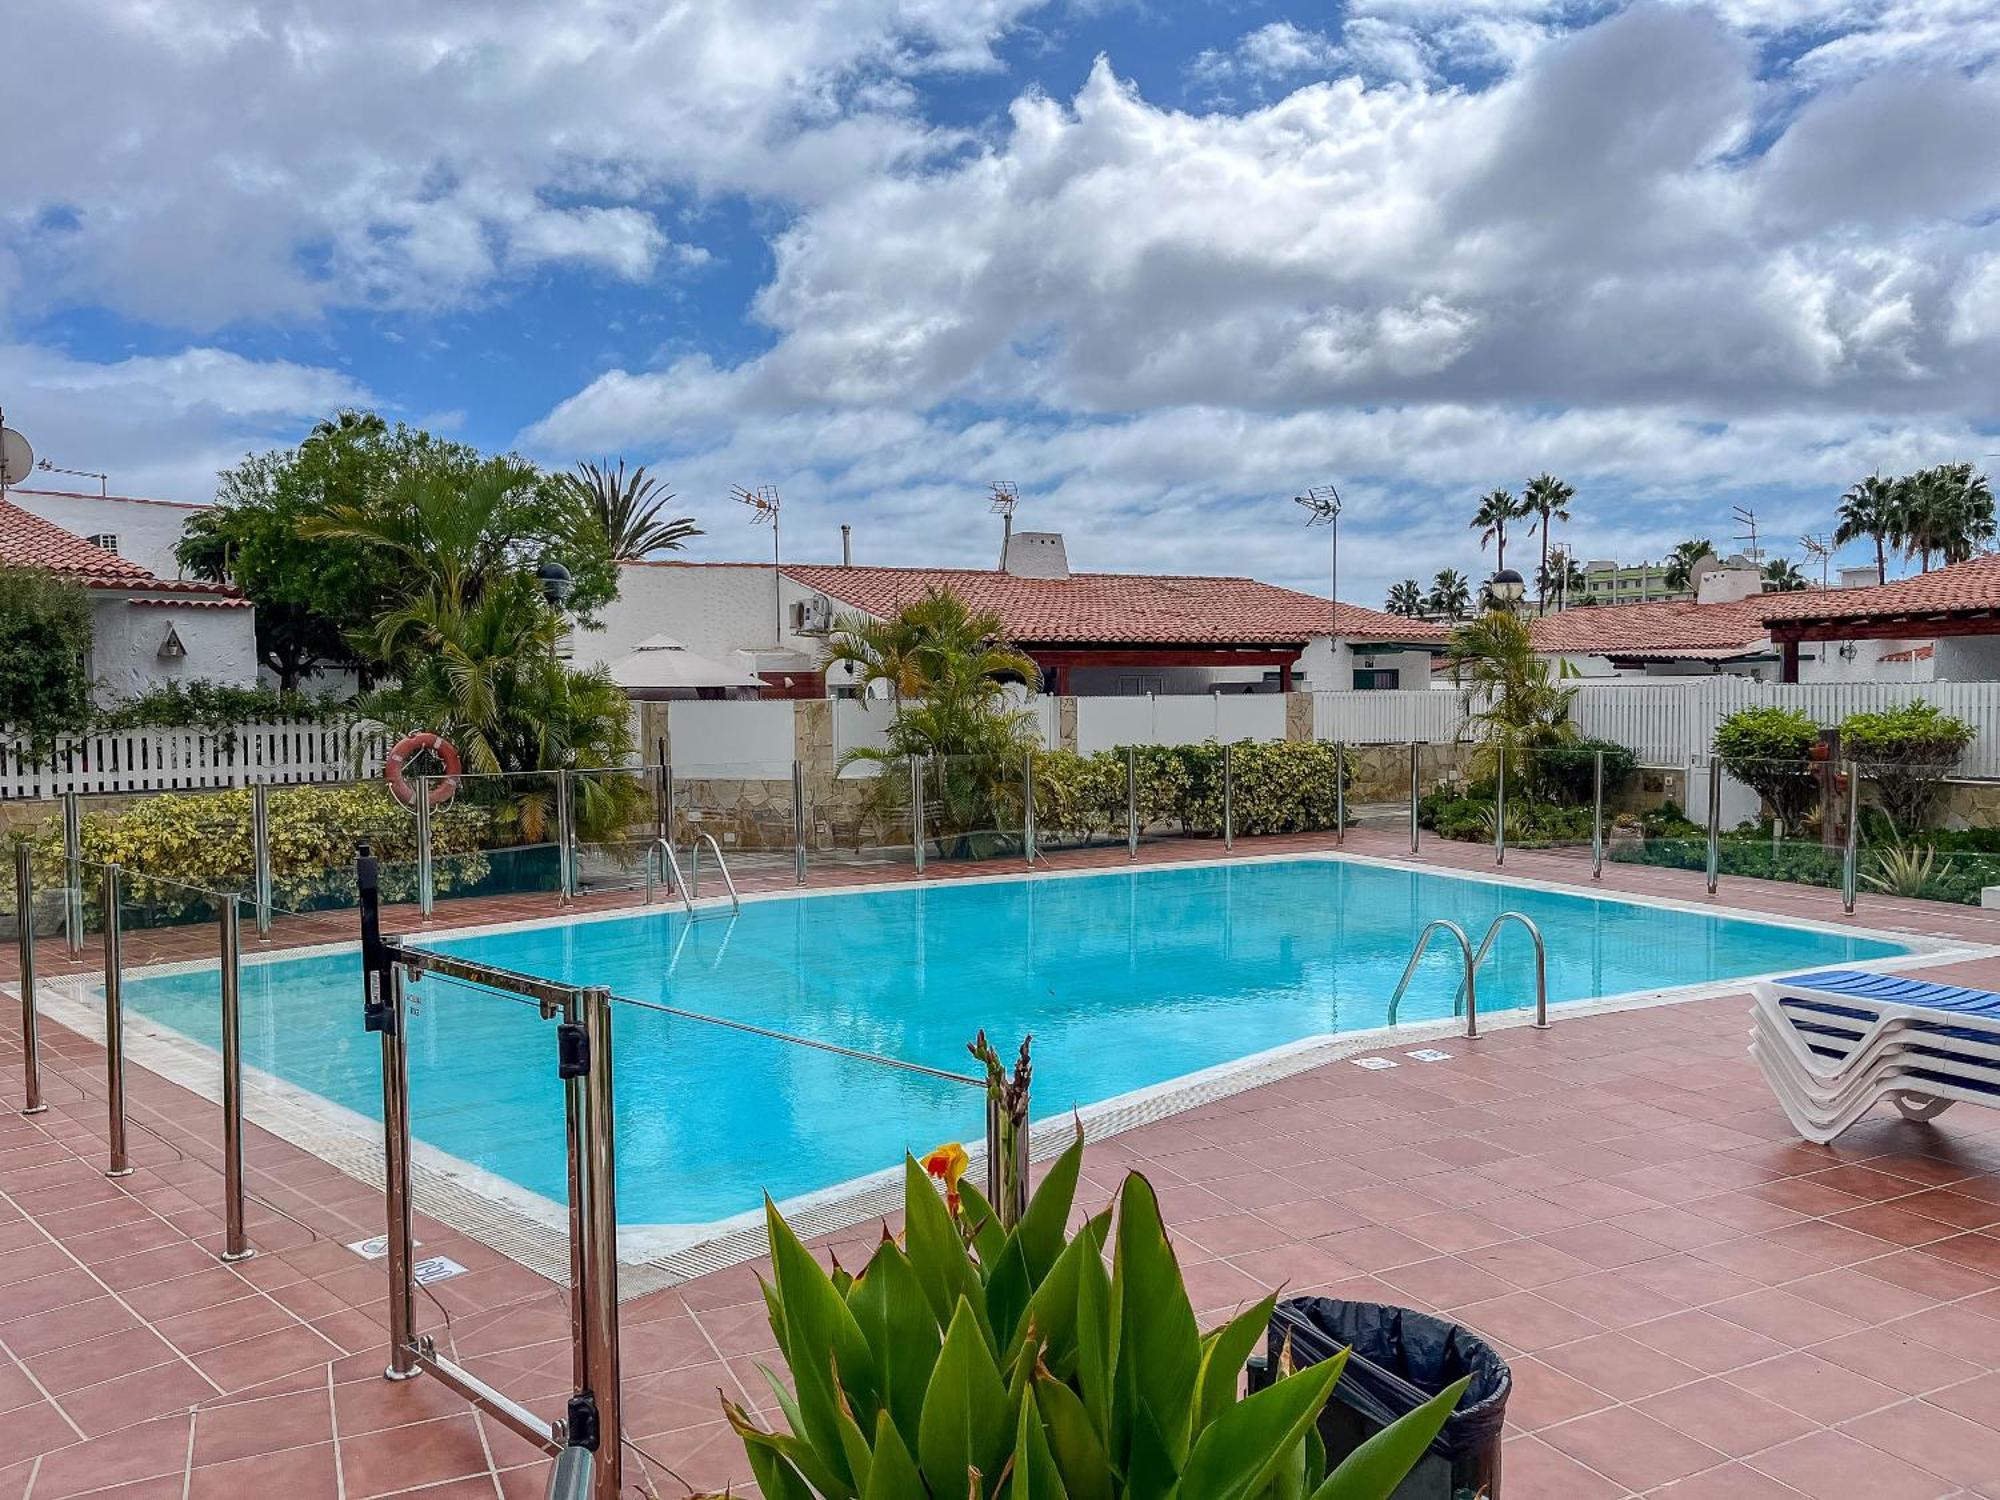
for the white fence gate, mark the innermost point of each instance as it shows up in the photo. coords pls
(163, 760)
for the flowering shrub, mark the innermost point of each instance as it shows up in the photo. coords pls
(202, 839)
(1285, 786)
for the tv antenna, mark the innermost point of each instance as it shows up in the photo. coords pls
(1322, 507)
(103, 480)
(1820, 547)
(763, 503)
(1005, 498)
(1747, 519)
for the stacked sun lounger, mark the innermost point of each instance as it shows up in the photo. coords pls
(1836, 1044)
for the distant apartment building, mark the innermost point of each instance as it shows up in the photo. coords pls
(1641, 583)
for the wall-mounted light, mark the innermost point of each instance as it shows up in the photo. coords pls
(1848, 651)
(171, 648)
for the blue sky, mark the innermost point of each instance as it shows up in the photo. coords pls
(1160, 265)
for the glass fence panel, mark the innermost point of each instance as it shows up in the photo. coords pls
(973, 809)
(1925, 835)
(617, 815)
(746, 809)
(1378, 791)
(860, 816)
(497, 835)
(1080, 801)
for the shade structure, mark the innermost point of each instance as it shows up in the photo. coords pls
(660, 664)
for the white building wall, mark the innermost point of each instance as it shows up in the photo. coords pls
(147, 530)
(1966, 658)
(125, 660)
(728, 612)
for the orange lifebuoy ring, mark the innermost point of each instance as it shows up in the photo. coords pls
(442, 788)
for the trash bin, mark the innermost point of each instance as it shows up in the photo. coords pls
(1401, 1358)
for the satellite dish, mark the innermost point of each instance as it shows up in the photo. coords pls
(17, 459)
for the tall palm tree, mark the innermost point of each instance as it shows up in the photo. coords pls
(1546, 498)
(627, 510)
(1782, 576)
(1450, 596)
(1870, 508)
(348, 421)
(1406, 598)
(937, 645)
(1496, 509)
(1947, 510)
(1683, 560)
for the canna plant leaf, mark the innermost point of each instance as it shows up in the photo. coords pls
(1159, 1350)
(1052, 1311)
(1372, 1471)
(796, 1454)
(1223, 1355)
(894, 1474)
(830, 1360)
(1032, 1250)
(1239, 1454)
(937, 1255)
(1074, 1442)
(1096, 1345)
(966, 1424)
(888, 1302)
(1033, 1466)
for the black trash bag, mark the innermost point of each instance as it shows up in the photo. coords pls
(1401, 1358)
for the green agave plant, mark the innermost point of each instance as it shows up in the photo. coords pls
(975, 1362)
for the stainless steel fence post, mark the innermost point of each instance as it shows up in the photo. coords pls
(1500, 805)
(72, 824)
(1714, 821)
(1416, 756)
(1597, 816)
(600, 1322)
(917, 811)
(426, 877)
(1850, 871)
(799, 822)
(235, 1245)
(1132, 801)
(1339, 793)
(114, 1026)
(663, 794)
(260, 854)
(396, 1179)
(667, 824)
(24, 927)
(565, 837)
(1228, 798)
(1028, 808)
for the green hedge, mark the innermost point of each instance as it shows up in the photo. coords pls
(1286, 786)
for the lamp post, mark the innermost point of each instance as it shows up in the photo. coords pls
(1505, 589)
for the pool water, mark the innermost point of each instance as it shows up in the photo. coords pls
(1125, 980)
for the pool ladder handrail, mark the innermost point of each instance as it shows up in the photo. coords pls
(670, 870)
(1541, 1022)
(705, 837)
(1470, 990)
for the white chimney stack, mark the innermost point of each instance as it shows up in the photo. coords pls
(1035, 554)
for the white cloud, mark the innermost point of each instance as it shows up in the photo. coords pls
(162, 426)
(261, 159)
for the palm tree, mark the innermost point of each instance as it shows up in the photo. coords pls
(347, 421)
(625, 508)
(1947, 510)
(1450, 596)
(936, 645)
(1406, 598)
(1563, 576)
(1509, 694)
(1496, 509)
(1870, 509)
(1683, 560)
(1547, 499)
(1782, 576)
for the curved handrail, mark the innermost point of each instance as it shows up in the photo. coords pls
(670, 870)
(1470, 989)
(1541, 960)
(735, 901)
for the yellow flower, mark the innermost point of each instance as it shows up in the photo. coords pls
(947, 1164)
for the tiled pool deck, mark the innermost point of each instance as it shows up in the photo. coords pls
(1695, 1303)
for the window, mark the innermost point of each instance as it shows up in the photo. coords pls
(1134, 686)
(1386, 679)
(108, 540)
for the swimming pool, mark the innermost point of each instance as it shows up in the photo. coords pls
(1126, 980)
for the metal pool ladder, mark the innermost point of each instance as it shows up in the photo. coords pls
(1468, 991)
(735, 901)
(661, 855)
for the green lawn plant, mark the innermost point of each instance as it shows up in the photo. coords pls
(967, 1361)
(1770, 751)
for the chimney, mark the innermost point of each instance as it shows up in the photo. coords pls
(1036, 554)
(846, 545)
(1726, 583)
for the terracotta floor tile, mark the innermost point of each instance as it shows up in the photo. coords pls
(1815, 1388)
(1535, 1468)
(306, 1473)
(1732, 1481)
(1934, 1439)
(401, 1458)
(1619, 1366)
(1725, 1416)
(1544, 1395)
(1630, 1448)
(1789, 1320)
(1907, 1364)
(226, 1431)
(1832, 1464)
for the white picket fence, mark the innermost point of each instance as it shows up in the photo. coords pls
(1668, 723)
(162, 760)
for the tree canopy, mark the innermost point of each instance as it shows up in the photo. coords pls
(44, 655)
